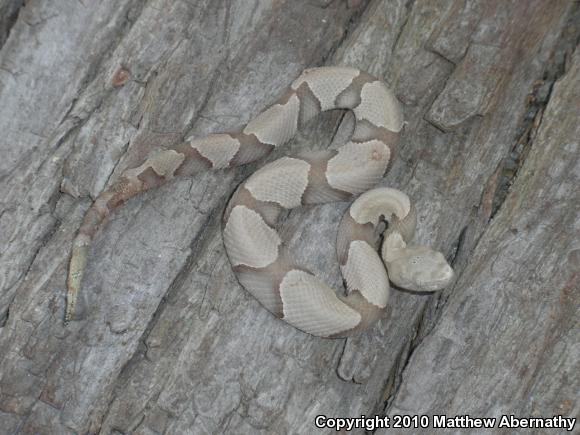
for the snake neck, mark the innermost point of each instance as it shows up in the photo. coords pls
(394, 245)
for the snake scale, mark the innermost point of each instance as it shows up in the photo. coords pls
(259, 257)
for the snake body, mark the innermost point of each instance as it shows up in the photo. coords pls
(258, 255)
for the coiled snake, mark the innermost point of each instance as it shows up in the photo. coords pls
(259, 257)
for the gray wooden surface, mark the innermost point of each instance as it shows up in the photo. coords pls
(171, 343)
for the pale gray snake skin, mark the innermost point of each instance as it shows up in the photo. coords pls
(258, 255)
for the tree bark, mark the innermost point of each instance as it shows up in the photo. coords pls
(171, 343)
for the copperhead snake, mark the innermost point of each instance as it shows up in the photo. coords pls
(259, 257)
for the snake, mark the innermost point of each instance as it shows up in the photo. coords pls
(260, 258)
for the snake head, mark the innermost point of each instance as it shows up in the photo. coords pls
(420, 268)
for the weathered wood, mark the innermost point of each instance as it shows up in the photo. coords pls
(171, 342)
(508, 339)
(8, 12)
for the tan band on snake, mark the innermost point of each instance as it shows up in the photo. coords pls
(258, 254)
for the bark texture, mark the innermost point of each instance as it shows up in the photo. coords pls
(171, 343)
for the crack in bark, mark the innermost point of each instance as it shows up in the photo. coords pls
(408, 7)
(113, 397)
(537, 101)
(5, 315)
(50, 231)
(8, 18)
(457, 246)
(349, 28)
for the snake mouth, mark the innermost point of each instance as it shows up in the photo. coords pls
(438, 283)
